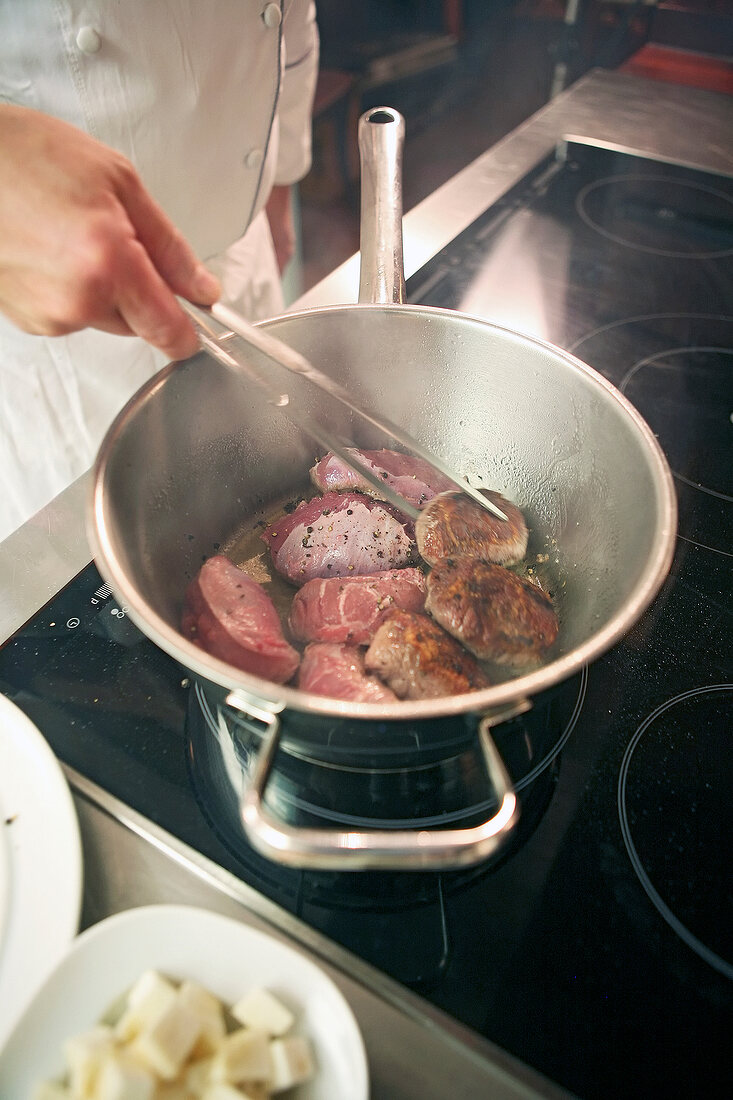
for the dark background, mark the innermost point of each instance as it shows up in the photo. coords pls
(466, 72)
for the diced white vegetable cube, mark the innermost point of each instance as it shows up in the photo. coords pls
(260, 1008)
(52, 1090)
(210, 1012)
(242, 1056)
(150, 983)
(292, 1062)
(173, 1090)
(255, 1090)
(84, 1054)
(197, 1076)
(121, 1078)
(149, 997)
(169, 1041)
(166, 1042)
(223, 1091)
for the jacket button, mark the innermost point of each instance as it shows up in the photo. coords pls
(271, 15)
(253, 158)
(88, 40)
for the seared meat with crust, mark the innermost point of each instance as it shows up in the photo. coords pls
(349, 609)
(419, 660)
(452, 523)
(336, 670)
(232, 617)
(340, 535)
(499, 616)
(413, 478)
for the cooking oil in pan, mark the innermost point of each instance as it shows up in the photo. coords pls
(247, 550)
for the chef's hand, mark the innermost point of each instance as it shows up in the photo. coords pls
(82, 244)
(279, 209)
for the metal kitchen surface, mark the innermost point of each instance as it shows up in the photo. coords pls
(599, 949)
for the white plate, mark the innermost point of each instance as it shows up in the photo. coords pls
(224, 955)
(40, 862)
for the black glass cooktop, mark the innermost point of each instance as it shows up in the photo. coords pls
(599, 950)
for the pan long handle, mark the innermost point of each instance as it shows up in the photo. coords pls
(375, 849)
(381, 141)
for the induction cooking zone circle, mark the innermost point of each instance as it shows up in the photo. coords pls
(698, 381)
(365, 910)
(658, 215)
(435, 790)
(451, 790)
(686, 397)
(677, 370)
(676, 814)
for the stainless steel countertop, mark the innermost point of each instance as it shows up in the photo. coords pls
(414, 1050)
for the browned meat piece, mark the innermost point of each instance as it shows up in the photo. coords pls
(419, 660)
(499, 616)
(337, 670)
(349, 609)
(452, 523)
(232, 617)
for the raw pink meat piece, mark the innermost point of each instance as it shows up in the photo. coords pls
(349, 609)
(232, 617)
(337, 670)
(413, 478)
(339, 535)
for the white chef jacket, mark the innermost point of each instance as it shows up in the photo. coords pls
(211, 102)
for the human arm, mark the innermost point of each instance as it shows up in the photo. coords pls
(82, 243)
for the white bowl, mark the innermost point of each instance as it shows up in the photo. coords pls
(224, 955)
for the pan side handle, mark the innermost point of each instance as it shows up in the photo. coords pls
(377, 849)
(381, 141)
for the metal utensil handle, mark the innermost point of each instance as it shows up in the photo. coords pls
(380, 849)
(219, 343)
(381, 141)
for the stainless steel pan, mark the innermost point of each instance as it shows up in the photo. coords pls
(194, 453)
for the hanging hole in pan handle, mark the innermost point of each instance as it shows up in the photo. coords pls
(374, 849)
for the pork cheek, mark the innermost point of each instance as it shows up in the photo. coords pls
(418, 660)
(230, 616)
(453, 523)
(337, 535)
(337, 670)
(349, 609)
(499, 616)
